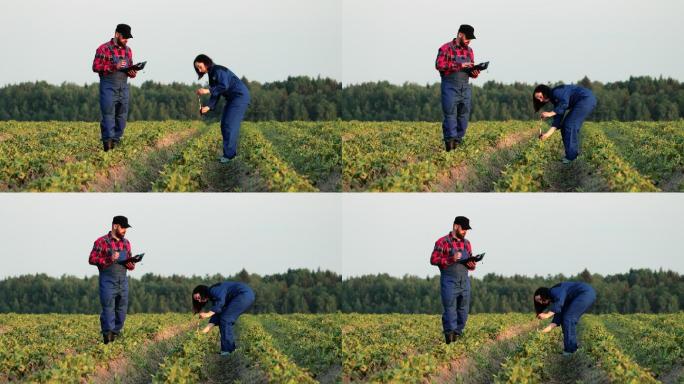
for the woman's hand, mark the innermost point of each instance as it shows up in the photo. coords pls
(546, 115)
(545, 315)
(206, 315)
(202, 91)
(204, 110)
(548, 134)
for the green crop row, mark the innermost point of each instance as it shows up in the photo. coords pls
(654, 148)
(314, 344)
(185, 363)
(600, 152)
(660, 345)
(65, 156)
(403, 156)
(390, 348)
(602, 346)
(69, 348)
(258, 347)
(527, 364)
(312, 149)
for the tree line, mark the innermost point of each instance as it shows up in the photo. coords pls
(306, 291)
(295, 291)
(324, 99)
(638, 291)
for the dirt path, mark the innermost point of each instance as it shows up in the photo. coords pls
(481, 175)
(578, 368)
(232, 369)
(675, 375)
(138, 175)
(153, 351)
(470, 369)
(578, 176)
(235, 176)
(674, 184)
(558, 369)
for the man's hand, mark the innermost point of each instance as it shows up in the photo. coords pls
(208, 328)
(204, 110)
(130, 265)
(547, 114)
(471, 265)
(121, 64)
(132, 73)
(548, 328)
(475, 73)
(202, 91)
(115, 256)
(456, 257)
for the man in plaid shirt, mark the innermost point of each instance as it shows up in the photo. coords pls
(453, 62)
(110, 63)
(449, 254)
(109, 254)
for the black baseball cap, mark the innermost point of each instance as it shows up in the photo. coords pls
(468, 31)
(122, 221)
(463, 221)
(124, 30)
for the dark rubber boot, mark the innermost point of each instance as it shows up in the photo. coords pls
(107, 145)
(448, 337)
(107, 336)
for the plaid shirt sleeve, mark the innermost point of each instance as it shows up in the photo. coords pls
(103, 60)
(472, 60)
(100, 254)
(130, 266)
(129, 55)
(445, 60)
(440, 254)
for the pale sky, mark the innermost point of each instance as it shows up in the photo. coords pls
(524, 40)
(349, 40)
(528, 234)
(180, 233)
(264, 40)
(351, 233)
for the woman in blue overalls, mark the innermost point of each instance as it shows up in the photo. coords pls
(579, 101)
(223, 82)
(566, 303)
(229, 300)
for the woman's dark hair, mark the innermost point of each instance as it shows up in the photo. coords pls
(203, 291)
(545, 294)
(204, 59)
(546, 92)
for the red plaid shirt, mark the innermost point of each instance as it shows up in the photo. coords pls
(442, 255)
(451, 57)
(101, 255)
(108, 54)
